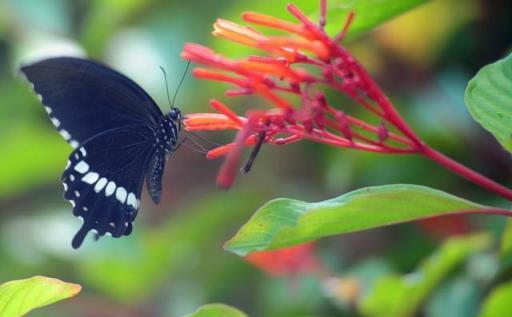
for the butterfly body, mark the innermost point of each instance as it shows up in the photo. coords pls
(120, 138)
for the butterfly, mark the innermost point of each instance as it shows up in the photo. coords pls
(119, 135)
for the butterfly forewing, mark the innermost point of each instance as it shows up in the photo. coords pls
(104, 177)
(84, 98)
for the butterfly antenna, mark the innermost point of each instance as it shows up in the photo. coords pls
(166, 86)
(181, 82)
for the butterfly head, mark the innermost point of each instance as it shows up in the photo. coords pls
(175, 115)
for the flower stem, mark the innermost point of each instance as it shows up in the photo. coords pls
(465, 172)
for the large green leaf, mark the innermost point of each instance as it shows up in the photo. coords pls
(17, 298)
(368, 14)
(285, 222)
(217, 310)
(498, 303)
(401, 296)
(489, 100)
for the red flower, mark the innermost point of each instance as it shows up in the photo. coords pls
(301, 64)
(287, 261)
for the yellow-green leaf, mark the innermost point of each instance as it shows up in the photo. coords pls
(17, 298)
(498, 303)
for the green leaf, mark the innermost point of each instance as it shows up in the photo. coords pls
(489, 100)
(17, 298)
(498, 303)
(217, 310)
(286, 222)
(368, 14)
(401, 296)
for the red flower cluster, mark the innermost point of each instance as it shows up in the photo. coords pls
(280, 73)
(299, 66)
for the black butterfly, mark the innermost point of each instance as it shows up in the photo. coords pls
(119, 136)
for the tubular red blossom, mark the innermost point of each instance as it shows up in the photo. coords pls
(211, 121)
(266, 20)
(229, 168)
(222, 108)
(275, 69)
(220, 151)
(316, 47)
(203, 55)
(348, 22)
(237, 33)
(204, 73)
(264, 91)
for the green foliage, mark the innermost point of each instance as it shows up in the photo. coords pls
(217, 310)
(152, 255)
(368, 14)
(401, 296)
(25, 165)
(286, 222)
(498, 303)
(489, 99)
(17, 298)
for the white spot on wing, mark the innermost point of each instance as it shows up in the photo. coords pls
(48, 109)
(73, 143)
(111, 187)
(100, 184)
(72, 177)
(84, 152)
(55, 122)
(121, 194)
(65, 186)
(91, 177)
(77, 193)
(82, 167)
(132, 200)
(65, 134)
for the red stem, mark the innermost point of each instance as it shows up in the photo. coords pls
(465, 172)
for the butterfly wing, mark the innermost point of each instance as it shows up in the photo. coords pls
(84, 98)
(104, 179)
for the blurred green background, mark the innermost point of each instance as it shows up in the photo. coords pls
(174, 261)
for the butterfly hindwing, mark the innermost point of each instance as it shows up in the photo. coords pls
(104, 179)
(84, 98)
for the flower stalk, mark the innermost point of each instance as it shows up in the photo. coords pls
(298, 66)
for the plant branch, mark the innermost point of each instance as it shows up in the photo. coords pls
(465, 172)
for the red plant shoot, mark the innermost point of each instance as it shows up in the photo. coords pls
(302, 63)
